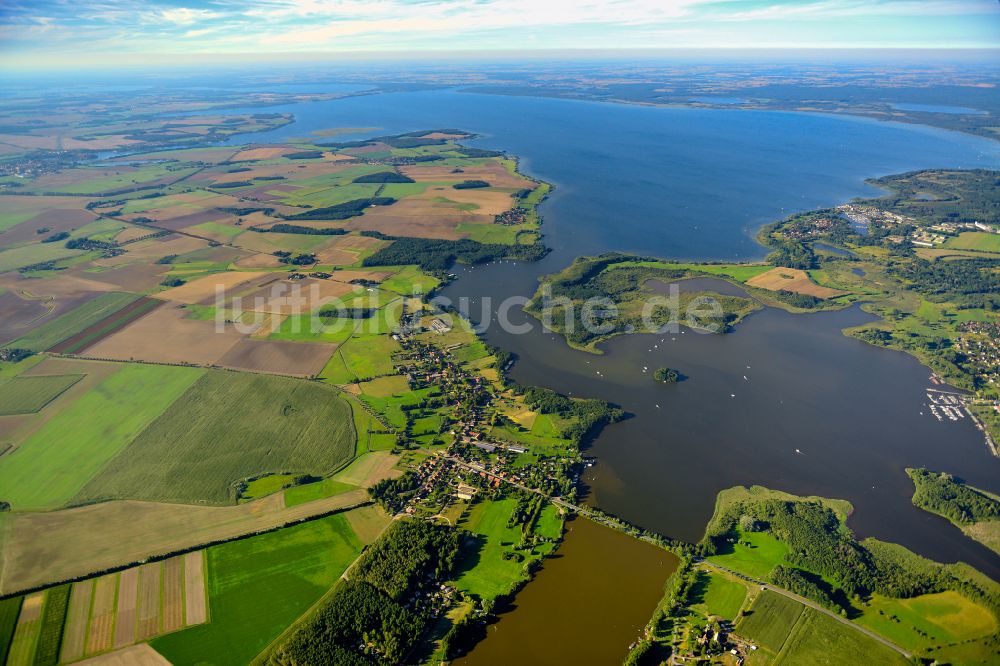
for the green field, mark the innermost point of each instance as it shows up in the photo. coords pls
(229, 427)
(65, 326)
(362, 357)
(755, 554)
(9, 610)
(409, 281)
(975, 240)
(770, 620)
(928, 620)
(265, 485)
(27, 395)
(257, 587)
(715, 594)
(481, 569)
(314, 491)
(738, 272)
(53, 464)
(26, 255)
(821, 640)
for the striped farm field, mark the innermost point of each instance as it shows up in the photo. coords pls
(149, 601)
(29, 624)
(195, 608)
(173, 594)
(125, 613)
(75, 633)
(102, 614)
(53, 621)
(50, 334)
(106, 326)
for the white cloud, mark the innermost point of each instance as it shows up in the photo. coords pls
(187, 15)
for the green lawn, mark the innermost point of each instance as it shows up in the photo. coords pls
(27, 395)
(756, 554)
(53, 332)
(821, 640)
(230, 426)
(715, 594)
(257, 587)
(50, 467)
(770, 620)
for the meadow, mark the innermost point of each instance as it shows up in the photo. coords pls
(227, 428)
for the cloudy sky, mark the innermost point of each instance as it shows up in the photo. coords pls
(67, 32)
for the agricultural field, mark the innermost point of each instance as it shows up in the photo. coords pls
(790, 279)
(258, 586)
(28, 395)
(754, 553)
(770, 620)
(822, 640)
(51, 333)
(975, 240)
(57, 545)
(229, 427)
(53, 464)
(95, 616)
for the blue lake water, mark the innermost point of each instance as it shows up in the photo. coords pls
(940, 108)
(698, 184)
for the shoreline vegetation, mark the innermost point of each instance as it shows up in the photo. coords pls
(974, 511)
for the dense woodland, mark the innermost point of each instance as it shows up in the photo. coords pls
(947, 496)
(584, 415)
(827, 564)
(341, 211)
(380, 613)
(439, 255)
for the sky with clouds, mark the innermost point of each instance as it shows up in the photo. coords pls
(66, 32)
